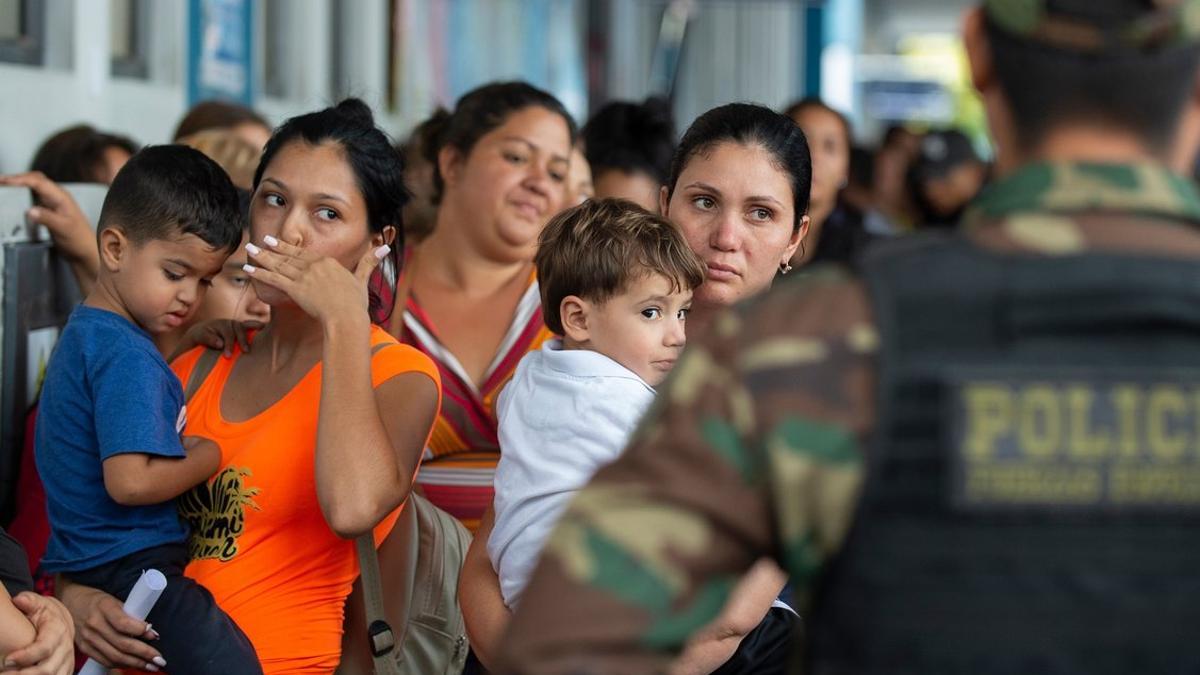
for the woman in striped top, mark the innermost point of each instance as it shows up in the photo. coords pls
(469, 291)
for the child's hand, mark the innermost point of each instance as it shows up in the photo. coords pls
(321, 286)
(203, 451)
(217, 334)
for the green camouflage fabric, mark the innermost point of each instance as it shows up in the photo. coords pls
(755, 446)
(1165, 23)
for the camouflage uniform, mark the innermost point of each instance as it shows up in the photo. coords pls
(755, 446)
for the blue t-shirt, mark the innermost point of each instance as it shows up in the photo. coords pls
(107, 392)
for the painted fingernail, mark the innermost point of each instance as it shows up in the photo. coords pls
(153, 634)
(160, 662)
(151, 668)
(249, 269)
(252, 249)
(382, 251)
(270, 241)
(9, 663)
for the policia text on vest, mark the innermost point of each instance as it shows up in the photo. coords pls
(1063, 442)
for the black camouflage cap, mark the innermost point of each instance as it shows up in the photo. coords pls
(1093, 26)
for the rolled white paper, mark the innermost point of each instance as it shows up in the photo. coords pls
(138, 605)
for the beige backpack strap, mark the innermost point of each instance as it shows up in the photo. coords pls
(380, 636)
(200, 372)
(381, 639)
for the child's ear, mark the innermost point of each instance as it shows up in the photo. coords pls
(573, 313)
(114, 248)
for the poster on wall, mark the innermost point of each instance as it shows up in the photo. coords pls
(220, 50)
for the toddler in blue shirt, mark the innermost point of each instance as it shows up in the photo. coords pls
(107, 442)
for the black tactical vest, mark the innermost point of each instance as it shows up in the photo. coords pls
(1032, 497)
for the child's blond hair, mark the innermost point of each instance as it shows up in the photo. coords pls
(596, 249)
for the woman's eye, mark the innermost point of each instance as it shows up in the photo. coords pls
(705, 203)
(172, 276)
(327, 214)
(273, 199)
(558, 176)
(239, 281)
(513, 158)
(651, 312)
(761, 214)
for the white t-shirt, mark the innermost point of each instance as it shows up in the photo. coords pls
(564, 415)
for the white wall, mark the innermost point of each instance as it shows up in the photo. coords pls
(75, 83)
(735, 50)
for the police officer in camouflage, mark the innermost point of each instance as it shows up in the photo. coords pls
(982, 455)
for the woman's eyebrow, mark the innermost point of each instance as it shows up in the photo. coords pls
(764, 198)
(320, 195)
(535, 147)
(703, 186)
(332, 197)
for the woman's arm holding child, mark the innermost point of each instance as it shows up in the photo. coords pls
(136, 479)
(480, 598)
(104, 631)
(717, 642)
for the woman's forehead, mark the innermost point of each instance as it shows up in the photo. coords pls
(539, 127)
(304, 168)
(738, 170)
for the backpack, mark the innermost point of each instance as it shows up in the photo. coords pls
(427, 546)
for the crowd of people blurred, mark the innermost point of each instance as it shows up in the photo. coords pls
(319, 377)
(467, 294)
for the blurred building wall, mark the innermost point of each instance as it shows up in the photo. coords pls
(733, 50)
(404, 57)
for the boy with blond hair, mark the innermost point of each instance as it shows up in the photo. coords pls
(616, 284)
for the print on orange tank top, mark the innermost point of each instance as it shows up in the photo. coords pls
(216, 513)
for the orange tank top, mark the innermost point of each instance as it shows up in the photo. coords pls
(259, 542)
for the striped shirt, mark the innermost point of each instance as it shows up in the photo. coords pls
(460, 461)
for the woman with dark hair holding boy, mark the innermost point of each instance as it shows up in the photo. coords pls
(308, 462)
(738, 189)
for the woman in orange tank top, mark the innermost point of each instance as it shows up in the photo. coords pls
(308, 462)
